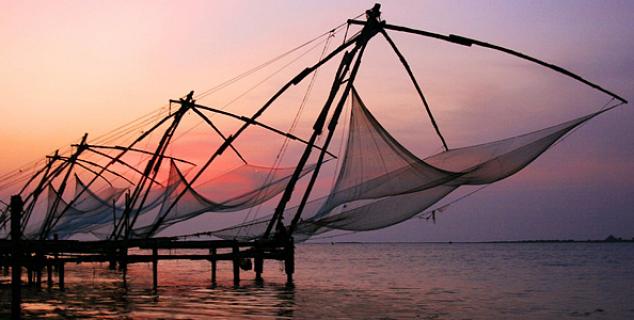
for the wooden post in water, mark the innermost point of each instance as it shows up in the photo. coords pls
(123, 264)
(236, 264)
(29, 271)
(112, 260)
(212, 253)
(258, 262)
(49, 273)
(289, 260)
(60, 274)
(38, 270)
(155, 267)
(16, 256)
(5, 264)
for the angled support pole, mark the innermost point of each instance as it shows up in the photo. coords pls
(142, 190)
(52, 217)
(259, 124)
(418, 89)
(45, 180)
(116, 161)
(370, 30)
(213, 126)
(331, 131)
(121, 148)
(94, 164)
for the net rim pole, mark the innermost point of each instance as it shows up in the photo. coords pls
(468, 42)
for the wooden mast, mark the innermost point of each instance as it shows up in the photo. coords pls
(151, 170)
(369, 31)
(51, 216)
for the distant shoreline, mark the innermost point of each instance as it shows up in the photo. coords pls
(607, 240)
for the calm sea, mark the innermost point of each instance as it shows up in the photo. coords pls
(363, 281)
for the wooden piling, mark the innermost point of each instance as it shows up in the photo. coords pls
(5, 265)
(212, 253)
(60, 274)
(258, 262)
(236, 264)
(16, 256)
(38, 271)
(289, 261)
(112, 260)
(49, 273)
(155, 267)
(29, 272)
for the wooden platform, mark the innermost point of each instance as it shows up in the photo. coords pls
(39, 255)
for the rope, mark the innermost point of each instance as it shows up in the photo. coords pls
(432, 213)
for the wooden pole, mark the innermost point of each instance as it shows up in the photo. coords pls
(16, 256)
(49, 273)
(155, 267)
(368, 31)
(236, 264)
(212, 253)
(38, 270)
(289, 260)
(29, 272)
(417, 86)
(342, 70)
(123, 264)
(258, 262)
(5, 264)
(60, 274)
(112, 260)
(331, 131)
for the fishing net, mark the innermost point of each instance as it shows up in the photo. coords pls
(238, 189)
(381, 183)
(241, 188)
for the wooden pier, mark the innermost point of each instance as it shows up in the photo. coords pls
(37, 256)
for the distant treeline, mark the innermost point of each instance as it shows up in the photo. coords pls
(610, 238)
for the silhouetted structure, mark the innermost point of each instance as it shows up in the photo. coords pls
(380, 182)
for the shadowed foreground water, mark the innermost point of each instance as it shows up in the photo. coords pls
(363, 281)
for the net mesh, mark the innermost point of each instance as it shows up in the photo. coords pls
(381, 183)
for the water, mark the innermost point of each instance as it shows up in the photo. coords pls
(363, 281)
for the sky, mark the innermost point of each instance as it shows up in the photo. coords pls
(69, 67)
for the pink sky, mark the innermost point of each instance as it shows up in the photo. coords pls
(69, 67)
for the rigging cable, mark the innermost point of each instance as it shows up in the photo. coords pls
(294, 123)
